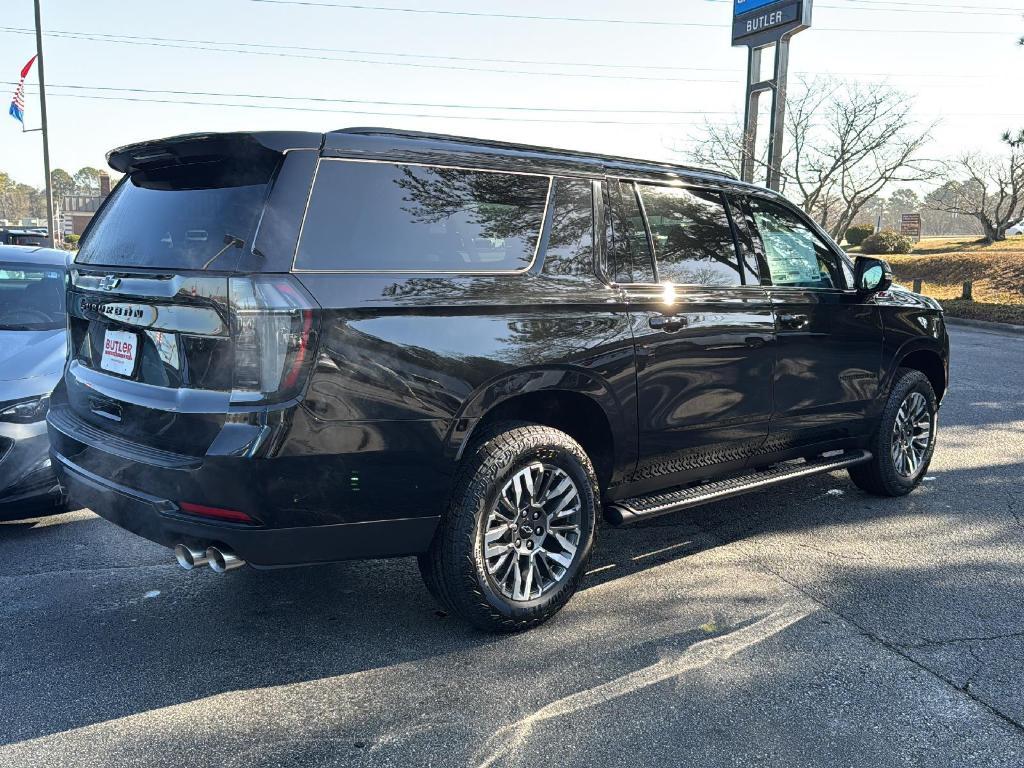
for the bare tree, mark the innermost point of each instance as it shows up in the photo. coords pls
(988, 188)
(939, 221)
(845, 143)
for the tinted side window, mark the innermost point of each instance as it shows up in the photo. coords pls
(795, 255)
(408, 218)
(570, 251)
(630, 247)
(693, 241)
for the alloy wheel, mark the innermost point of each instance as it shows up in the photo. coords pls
(533, 531)
(911, 434)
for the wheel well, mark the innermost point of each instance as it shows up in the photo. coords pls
(577, 415)
(930, 364)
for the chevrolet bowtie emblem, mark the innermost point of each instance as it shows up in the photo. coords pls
(109, 283)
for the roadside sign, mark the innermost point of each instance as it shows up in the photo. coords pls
(759, 25)
(762, 22)
(910, 225)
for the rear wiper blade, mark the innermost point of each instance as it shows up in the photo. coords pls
(229, 240)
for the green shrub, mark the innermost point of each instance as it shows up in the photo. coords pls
(858, 233)
(71, 239)
(885, 242)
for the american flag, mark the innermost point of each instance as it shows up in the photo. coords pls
(17, 110)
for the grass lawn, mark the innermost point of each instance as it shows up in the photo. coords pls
(944, 264)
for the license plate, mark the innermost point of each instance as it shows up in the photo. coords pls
(120, 348)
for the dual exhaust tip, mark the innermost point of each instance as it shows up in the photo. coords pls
(219, 560)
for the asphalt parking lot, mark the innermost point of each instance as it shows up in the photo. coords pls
(810, 625)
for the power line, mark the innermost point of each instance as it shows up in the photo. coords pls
(215, 94)
(433, 105)
(217, 46)
(117, 38)
(482, 14)
(590, 20)
(916, 8)
(489, 118)
(189, 47)
(926, 4)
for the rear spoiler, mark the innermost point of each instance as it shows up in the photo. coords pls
(207, 147)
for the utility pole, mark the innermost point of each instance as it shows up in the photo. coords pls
(50, 228)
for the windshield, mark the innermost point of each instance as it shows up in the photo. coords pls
(31, 297)
(195, 216)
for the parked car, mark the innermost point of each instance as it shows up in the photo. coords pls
(1016, 229)
(32, 236)
(33, 345)
(292, 348)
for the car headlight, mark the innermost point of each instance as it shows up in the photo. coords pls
(27, 411)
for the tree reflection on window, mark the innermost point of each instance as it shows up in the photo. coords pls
(570, 251)
(693, 241)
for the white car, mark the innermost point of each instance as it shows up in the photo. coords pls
(1016, 229)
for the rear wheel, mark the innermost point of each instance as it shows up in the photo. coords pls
(519, 529)
(904, 443)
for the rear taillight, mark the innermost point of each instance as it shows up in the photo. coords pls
(274, 324)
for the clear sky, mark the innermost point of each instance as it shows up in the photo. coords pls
(958, 58)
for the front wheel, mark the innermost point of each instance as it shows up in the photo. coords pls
(904, 443)
(519, 529)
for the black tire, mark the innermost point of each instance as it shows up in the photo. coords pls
(455, 569)
(880, 475)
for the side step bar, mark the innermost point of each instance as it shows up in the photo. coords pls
(639, 508)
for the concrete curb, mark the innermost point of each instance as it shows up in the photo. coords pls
(984, 325)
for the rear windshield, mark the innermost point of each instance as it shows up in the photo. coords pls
(31, 297)
(195, 216)
(366, 216)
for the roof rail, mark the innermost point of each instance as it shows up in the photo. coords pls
(369, 131)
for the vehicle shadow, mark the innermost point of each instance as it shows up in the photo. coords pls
(101, 646)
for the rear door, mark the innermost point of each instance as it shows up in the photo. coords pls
(169, 328)
(703, 330)
(829, 350)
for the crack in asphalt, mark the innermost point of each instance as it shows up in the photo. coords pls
(891, 646)
(927, 643)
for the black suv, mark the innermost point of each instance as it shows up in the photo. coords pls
(290, 348)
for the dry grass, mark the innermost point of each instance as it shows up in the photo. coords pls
(943, 264)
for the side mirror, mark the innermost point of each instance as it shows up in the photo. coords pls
(871, 275)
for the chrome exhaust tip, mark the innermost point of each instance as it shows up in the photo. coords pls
(222, 561)
(189, 558)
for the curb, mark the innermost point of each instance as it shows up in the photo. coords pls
(984, 325)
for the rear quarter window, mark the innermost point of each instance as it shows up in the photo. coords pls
(388, 217)
(570, 250)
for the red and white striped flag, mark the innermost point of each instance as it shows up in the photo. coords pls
(17, 110)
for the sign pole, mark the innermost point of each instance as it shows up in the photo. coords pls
(750, 116)
(778, 123)
(762, 24)
(50, 228)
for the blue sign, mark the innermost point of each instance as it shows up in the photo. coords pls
(746, 6)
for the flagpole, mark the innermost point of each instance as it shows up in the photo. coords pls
(50, 228)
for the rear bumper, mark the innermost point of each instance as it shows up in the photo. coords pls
(160, 521)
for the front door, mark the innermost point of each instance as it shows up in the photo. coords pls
(703, 333)
(829, 349)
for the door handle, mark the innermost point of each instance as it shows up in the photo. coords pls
(667, 323)
(793, 322)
